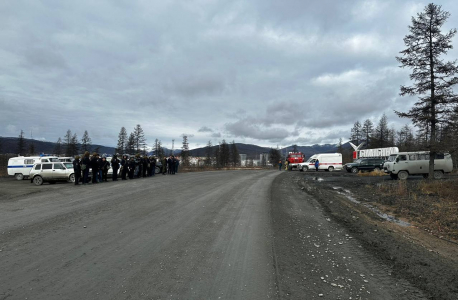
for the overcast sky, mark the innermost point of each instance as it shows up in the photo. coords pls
(266, 72)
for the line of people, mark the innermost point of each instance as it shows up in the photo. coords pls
(127, 167)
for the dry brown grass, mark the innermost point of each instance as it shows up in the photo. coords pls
(373, 173)
(433, 205)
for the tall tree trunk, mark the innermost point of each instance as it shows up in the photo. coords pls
(432, 150)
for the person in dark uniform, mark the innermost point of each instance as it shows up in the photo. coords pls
(173, 162)
(124, 167)
(105, 165)
(77, 169)
(153, 165)
(164, 165)
(95, 167)
(169, 165)
(145, 162)
(85, 164)
(131, 168)
(115, 167)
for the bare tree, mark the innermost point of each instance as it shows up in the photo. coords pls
(21, 144)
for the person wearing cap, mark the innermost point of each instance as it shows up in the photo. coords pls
(115, 166)
(105, 165)
(124, 167)
(94, 167)
(77, 169)
(85, 164)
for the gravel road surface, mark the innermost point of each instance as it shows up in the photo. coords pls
(210, 235)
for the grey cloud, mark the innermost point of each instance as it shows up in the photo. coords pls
(246, 128)
(216, 135)
(205, 129)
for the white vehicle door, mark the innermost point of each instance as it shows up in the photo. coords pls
(47, 171)
(59, 171)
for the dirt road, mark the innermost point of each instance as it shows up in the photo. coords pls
(211, 235)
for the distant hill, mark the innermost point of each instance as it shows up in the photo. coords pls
(9, 145)
(253, 151)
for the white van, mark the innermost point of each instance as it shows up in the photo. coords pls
(403, 164)
(328, 162)
(20, 166)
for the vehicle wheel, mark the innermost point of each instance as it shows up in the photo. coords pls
(305, 168)
(38, 180)
(438, 174)
(377, 169)
(330, 169)
(425, 176)
(71, 178)
(402, 175)
(301, 169)
(18, 176)
(394, 176)
(354, 170)
(158, 170)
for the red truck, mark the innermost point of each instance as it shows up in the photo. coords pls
(293, 159)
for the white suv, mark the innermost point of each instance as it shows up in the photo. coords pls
(52, 172)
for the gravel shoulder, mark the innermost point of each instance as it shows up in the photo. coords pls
(427, 263)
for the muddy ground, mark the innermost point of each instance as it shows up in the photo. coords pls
(411, 253)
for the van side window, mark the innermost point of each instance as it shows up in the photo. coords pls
(439, 156)
(420, 157)
(402, 157)
(412, 157)
(28, 161)
(47, 166)
(427, 156)
(38, 167)
(45, 160)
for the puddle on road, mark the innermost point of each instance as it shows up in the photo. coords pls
(319, 179)
(347, 194)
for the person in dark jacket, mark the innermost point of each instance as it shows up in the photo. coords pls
(124, 167)
(145, 162)
(95, 167)
(77, 169)
(169, 165)
(104, 167)
(164, 165)
(131, 168)
(115, 167)
(85, 164)
(173, 164)
(317, 164)
(153, 165)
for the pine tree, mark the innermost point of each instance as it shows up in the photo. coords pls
(381, 133)
(21, 144)
(208, 154)
(340, 146)
(274, 156)
(224, 153)
(85, 142)
(357, 133)
(234, 155)
(130, 148)
(58, 147)
(185, 151)
(218, 156)
(68, 141)
(434, 78)
(366, 132)
(139, 137)
(295, 148)
(122, 141)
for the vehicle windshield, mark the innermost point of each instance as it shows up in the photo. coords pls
(310, 159)
(392, 158)
(358, 161)
(68, 165)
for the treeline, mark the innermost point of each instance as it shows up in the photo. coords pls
(407, 138)
(223, 155)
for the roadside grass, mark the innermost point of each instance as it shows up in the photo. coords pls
(372, 173)
(432, 205)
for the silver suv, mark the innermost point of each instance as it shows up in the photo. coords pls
(52, 172)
